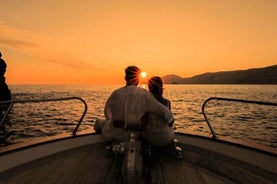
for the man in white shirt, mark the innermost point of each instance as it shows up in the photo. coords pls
(126, 106)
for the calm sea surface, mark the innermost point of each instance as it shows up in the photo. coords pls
(249, 122)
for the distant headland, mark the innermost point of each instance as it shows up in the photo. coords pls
(265, 75)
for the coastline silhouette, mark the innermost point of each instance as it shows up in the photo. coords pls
(264, 75)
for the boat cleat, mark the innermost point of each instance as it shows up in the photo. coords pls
(177, 150)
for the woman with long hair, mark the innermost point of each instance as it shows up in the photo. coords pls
(158, 132)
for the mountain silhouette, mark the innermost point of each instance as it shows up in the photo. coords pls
(265, 75)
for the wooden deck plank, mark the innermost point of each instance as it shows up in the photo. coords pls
(157, 175)
(91, 164)
(86, 166)
(181, 172)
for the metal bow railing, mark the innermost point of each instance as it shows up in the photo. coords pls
(233, 100)
(10, 104)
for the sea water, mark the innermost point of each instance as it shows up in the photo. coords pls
(236, 120)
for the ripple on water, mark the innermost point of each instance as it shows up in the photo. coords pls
(228, 120)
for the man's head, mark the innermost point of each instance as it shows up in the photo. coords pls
(132, 74)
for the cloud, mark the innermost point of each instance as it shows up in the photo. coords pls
(77, 63)
(53, 49)
(16, 43)
(13, 37)
(66, 62)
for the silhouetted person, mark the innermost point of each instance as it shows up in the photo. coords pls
(127, 105)
(5, 93)
(157, 133)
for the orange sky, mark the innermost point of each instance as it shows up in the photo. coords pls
(92, 41)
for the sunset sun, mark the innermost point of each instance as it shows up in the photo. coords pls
(143, 74)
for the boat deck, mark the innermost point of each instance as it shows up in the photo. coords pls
(92, 164)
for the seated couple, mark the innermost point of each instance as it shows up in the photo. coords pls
(130, 106)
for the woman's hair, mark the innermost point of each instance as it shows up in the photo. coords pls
(155, 86)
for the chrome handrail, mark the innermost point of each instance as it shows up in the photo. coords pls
(12, 102)
(233, 100)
